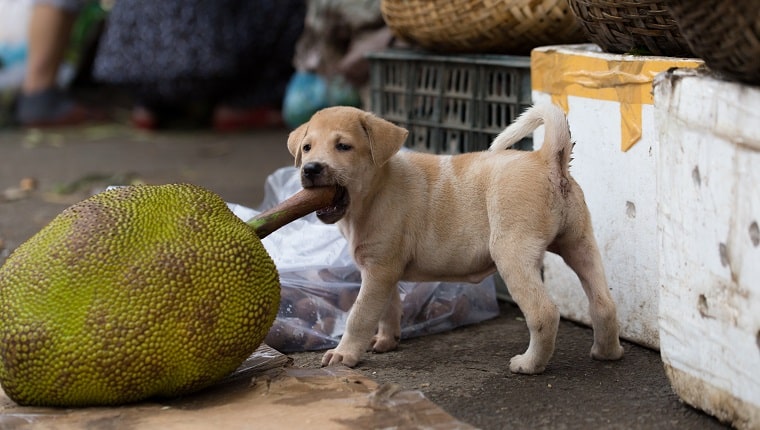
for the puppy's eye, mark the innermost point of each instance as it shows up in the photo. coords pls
(343, 147)
(306, 147)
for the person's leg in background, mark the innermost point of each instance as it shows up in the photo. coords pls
(42, 102)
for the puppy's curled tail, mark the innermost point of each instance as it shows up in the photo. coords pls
(557, 145)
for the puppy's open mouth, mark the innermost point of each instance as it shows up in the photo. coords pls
(333, 213)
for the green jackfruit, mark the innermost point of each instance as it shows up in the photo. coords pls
(136, 292)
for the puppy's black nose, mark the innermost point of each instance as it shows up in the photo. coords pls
(311, 170)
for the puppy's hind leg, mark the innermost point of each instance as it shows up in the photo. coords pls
(519, 264)
(580, 252)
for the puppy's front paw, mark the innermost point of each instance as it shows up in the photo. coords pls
(383, 343)
(611, 352)
(524, 364)
(334, 357)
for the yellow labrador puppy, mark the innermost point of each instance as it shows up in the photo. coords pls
(423, 217)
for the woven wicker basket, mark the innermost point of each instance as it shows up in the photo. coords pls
(631, 26)
(725, 34)
(480, 26)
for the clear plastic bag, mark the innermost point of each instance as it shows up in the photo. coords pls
(320, 282)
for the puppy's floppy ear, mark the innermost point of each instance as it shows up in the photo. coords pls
(294, 142)
(385, 138)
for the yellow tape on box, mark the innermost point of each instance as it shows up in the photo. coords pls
(577, 70)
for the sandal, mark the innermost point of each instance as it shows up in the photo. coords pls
(53, 108)
(144, 118)
(227, 119)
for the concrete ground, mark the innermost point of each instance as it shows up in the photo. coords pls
(464, 371)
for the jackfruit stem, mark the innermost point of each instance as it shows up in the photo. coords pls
(296, 206)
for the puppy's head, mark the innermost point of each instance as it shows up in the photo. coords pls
(343, 147)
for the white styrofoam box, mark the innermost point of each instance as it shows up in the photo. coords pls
(708, 215)
(607, 98)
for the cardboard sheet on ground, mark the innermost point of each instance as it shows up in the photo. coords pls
(264, 393)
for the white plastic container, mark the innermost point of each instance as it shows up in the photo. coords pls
(708, 214)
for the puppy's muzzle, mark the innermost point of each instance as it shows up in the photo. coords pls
(314, 174)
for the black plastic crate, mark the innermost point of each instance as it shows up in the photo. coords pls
(449, 103)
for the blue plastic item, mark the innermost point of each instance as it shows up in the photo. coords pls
(307, 93)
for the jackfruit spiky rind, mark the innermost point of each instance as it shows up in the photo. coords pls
(136, 292)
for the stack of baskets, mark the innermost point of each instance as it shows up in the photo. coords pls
(471, 77)
(631, 27)
(482, 26)
(725, 34)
